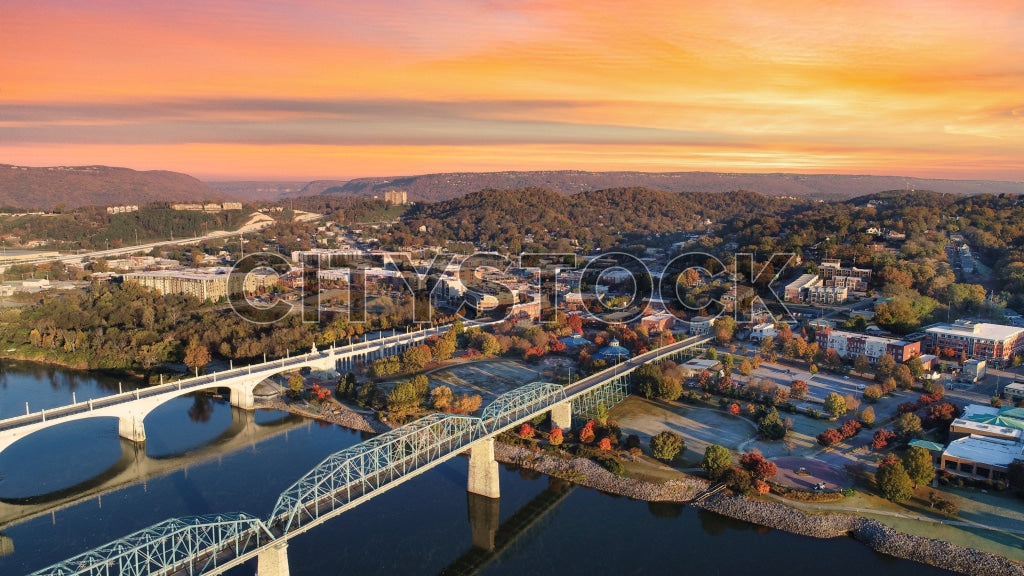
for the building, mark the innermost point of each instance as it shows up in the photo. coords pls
(1014, 392)
(202, 283)
(830, 270)
(122, 209)
(762, 331)
(973, 370)
(981, 456)
(975, 339)
(396, 197)
(794, 291)
(612, 353)
(693, 367)
(699, 325)
(850, 345)
(656, 323)
(820, 294)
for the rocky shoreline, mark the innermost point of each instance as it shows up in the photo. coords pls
(335, 414)
(872, 533)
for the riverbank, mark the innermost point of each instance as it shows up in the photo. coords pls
(334, 413)
(872, 533)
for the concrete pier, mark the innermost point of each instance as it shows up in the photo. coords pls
(273, 560)
(483, 469)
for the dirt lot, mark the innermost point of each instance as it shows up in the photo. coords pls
(699, 426)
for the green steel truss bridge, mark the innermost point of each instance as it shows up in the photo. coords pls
(345, 479)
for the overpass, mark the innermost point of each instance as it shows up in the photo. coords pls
(131, 408)
(345, 479)
(134, 466)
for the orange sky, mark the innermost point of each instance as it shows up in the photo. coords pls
(327, 89)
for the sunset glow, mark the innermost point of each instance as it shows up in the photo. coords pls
(313, 89)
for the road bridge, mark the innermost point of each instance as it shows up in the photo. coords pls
(131, 408)
(345, 479)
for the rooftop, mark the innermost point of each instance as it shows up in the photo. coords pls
(976, 330)
(985, 450)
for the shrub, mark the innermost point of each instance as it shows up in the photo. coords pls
(605, 444)
(556, 437)
(611, 463)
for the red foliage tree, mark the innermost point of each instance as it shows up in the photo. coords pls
(734, 409)
(526, 431)
(829, 437)
(575, 322)
(905, 407)
(798, 389)
(849, 429)
(941, 414)
(556, 437)
(587, 433)
(605, 444)
(762, 487)
(759, 467)
(882, 438)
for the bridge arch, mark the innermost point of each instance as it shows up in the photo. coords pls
(520, 403)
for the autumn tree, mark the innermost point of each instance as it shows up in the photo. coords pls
(884, 368)
(867, 416)
(893, 481)
(882, 438)
(835, 405)
(861, 364)
(872, 393)
(667, 445)
(904, 378)
(467, 403)
(917, 461)
(421, 384)
(526, 431)
(758, 466)
(441, 398)
(717, 460)
(586, 434)
(798, 389)
(197, 355)
(556, 437)
(415, 358)
(296, 384)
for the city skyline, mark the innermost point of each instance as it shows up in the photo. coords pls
(237, 90)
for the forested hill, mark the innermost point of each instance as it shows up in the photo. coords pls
(501, 217)
(437, 187)
(74, 186)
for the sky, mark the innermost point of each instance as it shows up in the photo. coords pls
(316, 89)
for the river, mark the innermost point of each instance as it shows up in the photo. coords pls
(420, 527)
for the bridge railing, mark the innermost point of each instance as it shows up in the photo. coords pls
(192, 544)
(369, 465)
(204, 381)
(520, 403)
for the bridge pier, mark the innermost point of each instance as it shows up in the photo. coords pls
(484, 516)
(561, 415)
(131, 427)
(243, 398)
(483, 469)
(273, 560)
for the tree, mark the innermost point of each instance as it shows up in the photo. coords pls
(197, 355)
(737, 479)
(667, 445)
(830, 437)
(1015, 475)
(767, 347)
(734, 409)
(917, 461)
(526, 431)
(798, 389)
(835, 405)
(346, 386)
(415, 358)
(605, 444)
(671, 388)
(467, 403)
(296, 384)
(904, 378)
(586, 434)
(421, 384)
(867, 416)
(884, 368)
(893, 481)
(770, 426)
(758, 466)
(861, 364)
(486, 343)
(444, 347)
(907, 425)
(915, 366)
(556, 437)
(872, 393)
(647, 379)
(882, 438)
(441, 398)
(403, 399)
(716, 460)
(712, 353)
(724, 326)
